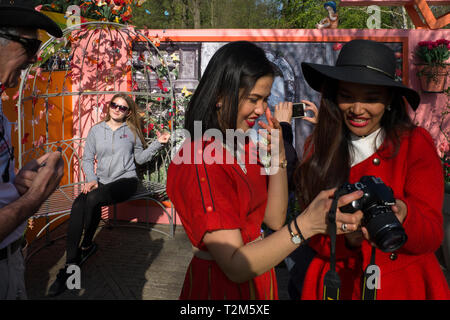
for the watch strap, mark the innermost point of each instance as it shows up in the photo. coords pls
(298, 230)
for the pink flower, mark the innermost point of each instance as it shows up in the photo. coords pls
(444, 147)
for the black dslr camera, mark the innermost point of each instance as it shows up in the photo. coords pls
(381, 223)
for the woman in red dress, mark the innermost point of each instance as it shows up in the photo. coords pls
(223, 204)
(364, 130)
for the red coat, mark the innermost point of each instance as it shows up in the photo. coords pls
(413, 272)
(211, 197)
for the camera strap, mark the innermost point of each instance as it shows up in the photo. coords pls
(371, 280)
(332, 282)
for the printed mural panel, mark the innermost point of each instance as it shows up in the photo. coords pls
(289, 83)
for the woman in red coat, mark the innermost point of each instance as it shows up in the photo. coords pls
(364, 130)
(221, 191)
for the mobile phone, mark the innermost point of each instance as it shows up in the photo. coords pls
(298, 110)
(44, 163)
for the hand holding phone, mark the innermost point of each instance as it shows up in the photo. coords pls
(298, 110)
(31, 171)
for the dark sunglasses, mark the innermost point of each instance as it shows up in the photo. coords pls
(121, 108)
(30, 45)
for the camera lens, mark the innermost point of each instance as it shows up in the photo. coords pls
(385, 229)
(390, 238)
(393, 240)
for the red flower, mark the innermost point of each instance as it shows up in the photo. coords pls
(149, 128)
(159, 84)
(337, 46)
(25, 138)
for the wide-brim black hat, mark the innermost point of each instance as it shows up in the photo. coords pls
(361, 61)
(21, 13)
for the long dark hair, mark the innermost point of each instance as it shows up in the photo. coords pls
(133, 119)
(326, 163)
(230, 76)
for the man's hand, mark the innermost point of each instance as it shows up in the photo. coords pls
(26, 175)
(41, 177)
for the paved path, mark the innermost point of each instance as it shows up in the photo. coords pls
(130, 264)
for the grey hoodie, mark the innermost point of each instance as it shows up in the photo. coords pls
(115, 152)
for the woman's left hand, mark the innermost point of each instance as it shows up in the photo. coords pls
(163, 137)
(400, 210)
(273, 144)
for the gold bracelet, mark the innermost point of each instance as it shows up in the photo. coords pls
(283, 164)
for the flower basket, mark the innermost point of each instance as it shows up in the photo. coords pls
(432, 66)
(433, 78)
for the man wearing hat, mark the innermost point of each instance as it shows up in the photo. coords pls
(21, 195)
(364, 129)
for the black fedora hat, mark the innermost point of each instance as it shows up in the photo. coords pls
(361, 61)
(21, 13)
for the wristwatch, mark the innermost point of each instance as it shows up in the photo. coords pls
(295, 238)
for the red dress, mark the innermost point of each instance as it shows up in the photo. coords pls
(412, 272)
(211, 197)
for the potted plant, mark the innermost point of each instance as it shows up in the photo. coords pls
(433, 69)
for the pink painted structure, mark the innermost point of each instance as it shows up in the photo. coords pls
(428, 115)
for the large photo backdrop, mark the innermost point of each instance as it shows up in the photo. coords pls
(289, 83)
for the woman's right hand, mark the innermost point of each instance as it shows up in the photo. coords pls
(283, 112)
(89, 186)
(314, 218)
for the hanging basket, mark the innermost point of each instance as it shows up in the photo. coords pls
(433, 78)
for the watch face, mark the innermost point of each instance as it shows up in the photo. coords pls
(296, 239)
